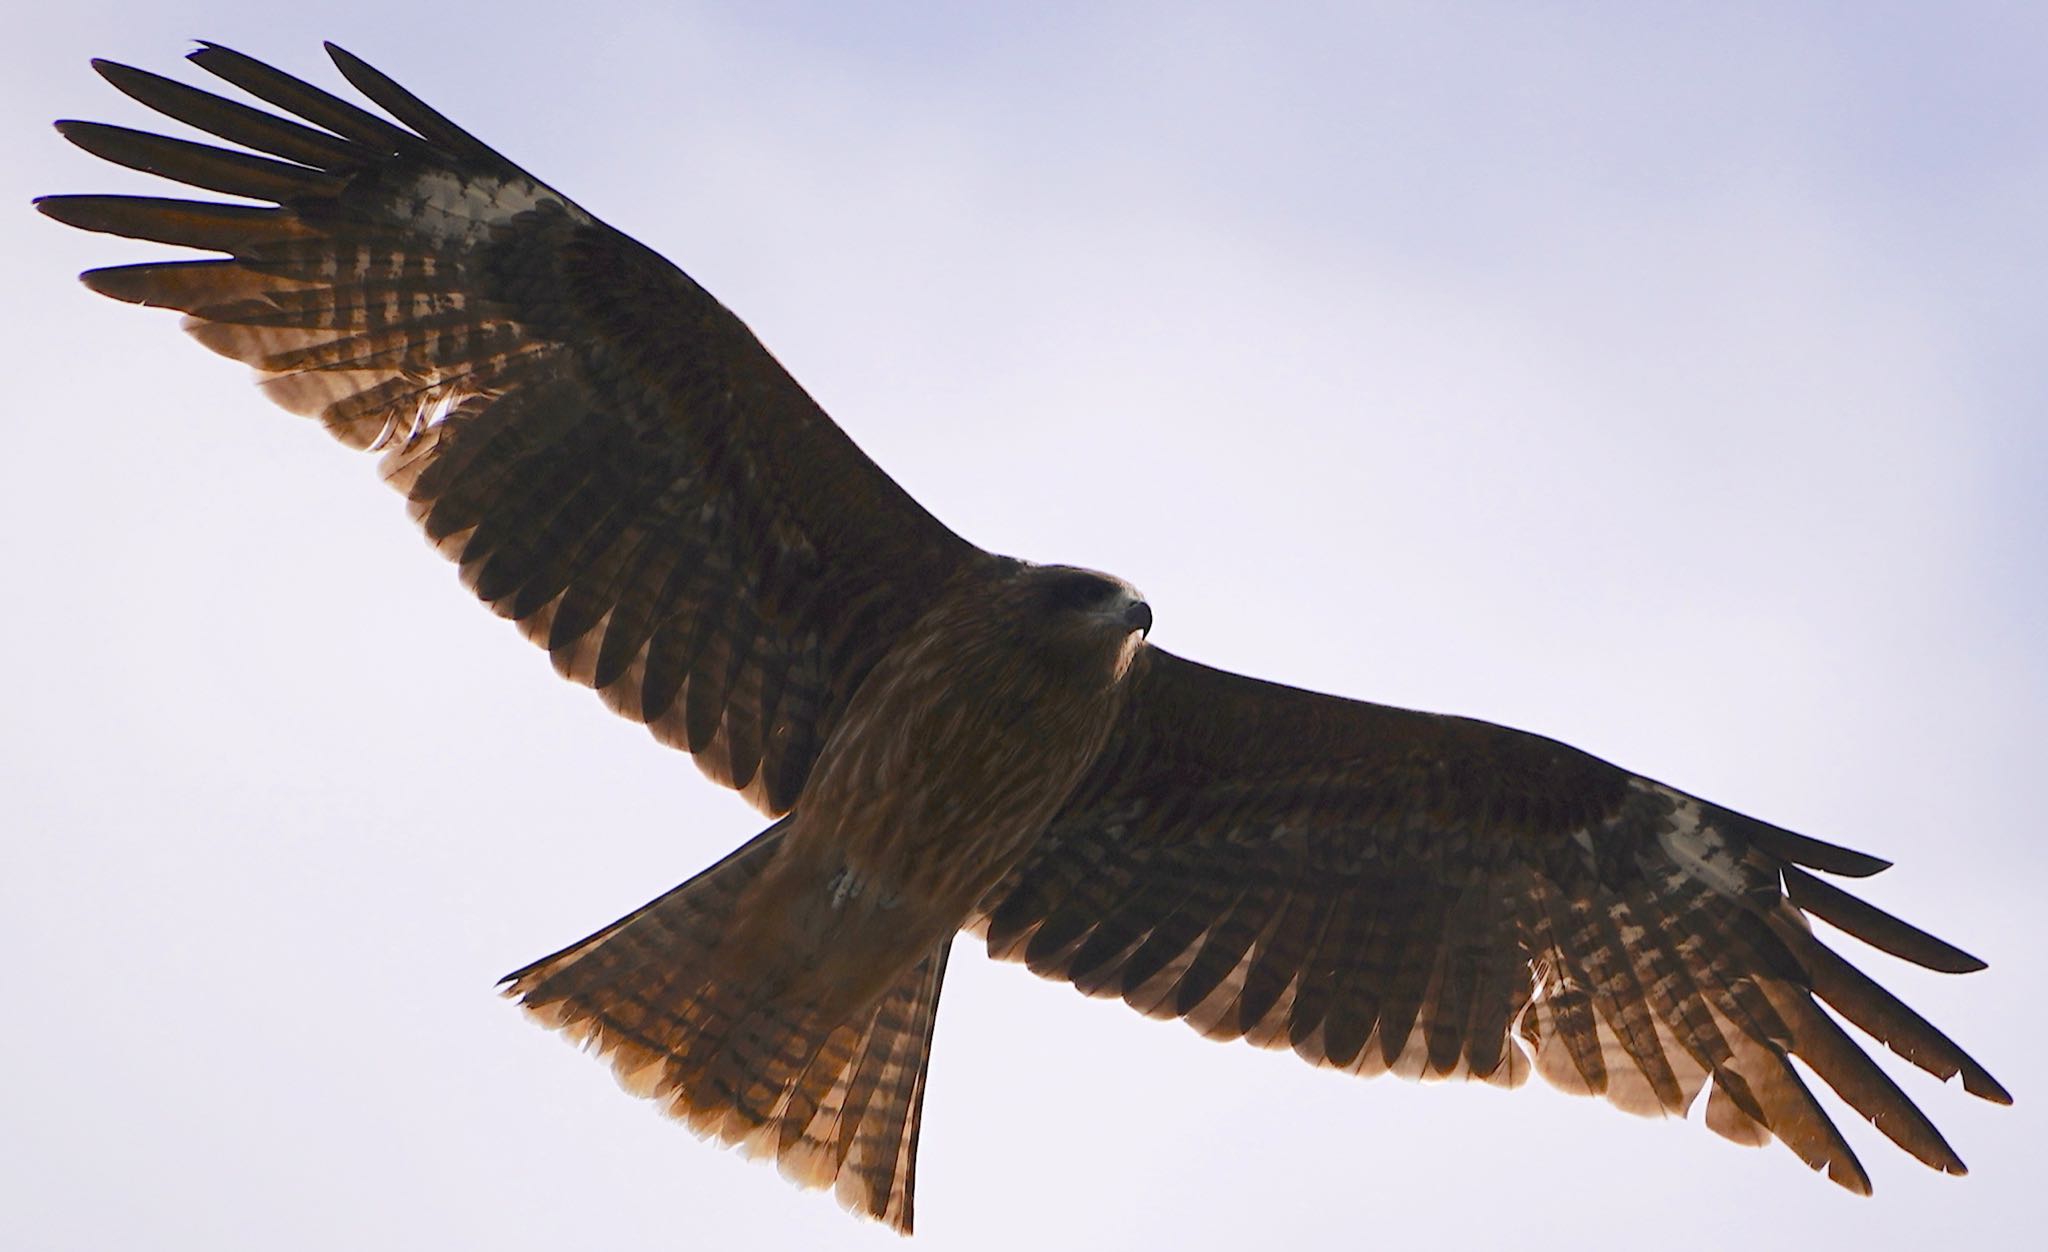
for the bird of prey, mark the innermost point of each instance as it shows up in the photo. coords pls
(950, 739)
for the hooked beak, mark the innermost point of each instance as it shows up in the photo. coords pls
(1139, 617)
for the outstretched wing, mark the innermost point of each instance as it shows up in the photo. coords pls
(615, 461)
(1384, 890)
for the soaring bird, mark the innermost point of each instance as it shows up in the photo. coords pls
(950, 739)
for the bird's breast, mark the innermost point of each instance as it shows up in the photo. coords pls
(950, 759)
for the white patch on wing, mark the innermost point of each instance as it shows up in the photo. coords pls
(1699, 851)
(449, 208)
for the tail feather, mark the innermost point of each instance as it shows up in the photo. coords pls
(835, 1103)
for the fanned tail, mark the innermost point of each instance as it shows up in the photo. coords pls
(836, 1103)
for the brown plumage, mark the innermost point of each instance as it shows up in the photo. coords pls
(954, 739)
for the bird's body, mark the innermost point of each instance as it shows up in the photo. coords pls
(953, 739)
(923, 795)
(920, 802)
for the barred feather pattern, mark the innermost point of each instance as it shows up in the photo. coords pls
(1392, 892)
(612, 458)
(834, 1103)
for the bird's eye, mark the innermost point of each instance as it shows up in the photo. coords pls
(1077, 590)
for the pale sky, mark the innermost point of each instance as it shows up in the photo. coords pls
(1666, 379)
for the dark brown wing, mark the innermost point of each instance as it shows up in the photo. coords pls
(616, 462)
(1381, 889)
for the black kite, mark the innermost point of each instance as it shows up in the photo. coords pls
(954, 739)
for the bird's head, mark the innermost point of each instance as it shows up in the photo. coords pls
(1087, 609)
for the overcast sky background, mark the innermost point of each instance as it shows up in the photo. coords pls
(1667, 379)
